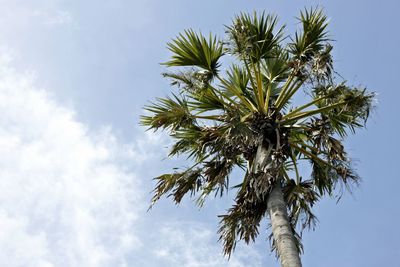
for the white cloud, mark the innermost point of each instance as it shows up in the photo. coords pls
(65, 198)
(194, 245)
(70, 196)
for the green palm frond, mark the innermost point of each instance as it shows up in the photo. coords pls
(355, 112)
(238, 79)
(191, 141)
(187, 80)
(329, 162)
(206, 101)
(351, 107)
(313, 36)
(275, 69)
(168, 113)
(254, 37)
(343, 106)
(192, 49)
(236, 86)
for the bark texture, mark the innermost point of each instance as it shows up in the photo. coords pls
(281, 229)
(277, 208)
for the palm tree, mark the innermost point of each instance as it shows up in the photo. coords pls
(245, 116)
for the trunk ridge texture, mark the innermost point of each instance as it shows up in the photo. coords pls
(281, 229)
(277, 210)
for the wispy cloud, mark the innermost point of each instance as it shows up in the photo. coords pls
(192, 244)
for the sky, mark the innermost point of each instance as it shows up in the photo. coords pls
(76, 168)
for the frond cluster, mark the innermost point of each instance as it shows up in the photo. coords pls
(221, 117)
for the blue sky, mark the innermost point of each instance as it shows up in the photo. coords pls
(76, 168)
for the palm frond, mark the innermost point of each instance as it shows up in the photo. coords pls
(241, 222)
(178, 183)
(236, 85)
(311, 40)
(358, 103)
(216, 173)
(321, 66)
(327, 177)
(191, 81)
(208, 101)
(232, 89)
(168, 113)
(254, 36)
(275, 69)
(191, 141)
(300, 198)
(193, 49)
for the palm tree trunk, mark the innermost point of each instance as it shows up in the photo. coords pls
(281, 229)
(277, 210)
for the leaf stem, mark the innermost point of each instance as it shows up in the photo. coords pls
(293, 89)
(285, 88)
(295, 111)
(312, 112)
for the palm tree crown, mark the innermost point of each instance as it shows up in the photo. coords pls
(220, 117)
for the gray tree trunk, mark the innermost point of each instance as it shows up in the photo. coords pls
(277, 210)
(281, 229)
